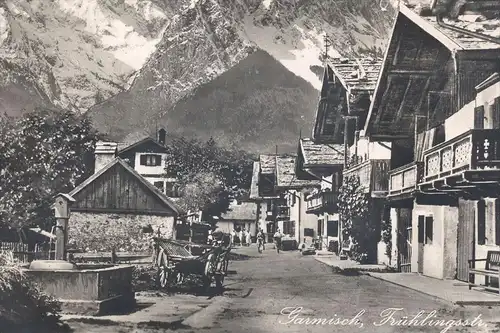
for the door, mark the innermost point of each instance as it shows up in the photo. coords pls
(465, 241)
(404, 239)
(421, 240)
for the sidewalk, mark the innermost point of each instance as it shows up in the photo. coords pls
(453, 291)
(166, 309)
(349, 265)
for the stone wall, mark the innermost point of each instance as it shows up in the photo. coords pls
(123, 232)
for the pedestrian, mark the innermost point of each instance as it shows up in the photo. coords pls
(244, 237)
(249, 238)
(232, 236)
(240, 236)
(277, 238)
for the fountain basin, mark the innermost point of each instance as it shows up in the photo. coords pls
(85, 289)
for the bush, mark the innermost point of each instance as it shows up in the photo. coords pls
(23, 306)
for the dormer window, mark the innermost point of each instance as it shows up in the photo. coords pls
(151, 160)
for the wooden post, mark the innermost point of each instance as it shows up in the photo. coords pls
(62, 212)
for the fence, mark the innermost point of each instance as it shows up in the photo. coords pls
(20, 251)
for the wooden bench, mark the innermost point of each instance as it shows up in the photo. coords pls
(491, 270)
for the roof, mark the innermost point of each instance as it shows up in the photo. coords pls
(321, 154)
(155, 191)
(267, 164)
(454, 33)
(357, 74)
(123, 147)
(286, 177)
(254, 186)
(244, 211)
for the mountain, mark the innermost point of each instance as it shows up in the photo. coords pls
(242, 71)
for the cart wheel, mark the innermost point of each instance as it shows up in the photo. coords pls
(163, 270)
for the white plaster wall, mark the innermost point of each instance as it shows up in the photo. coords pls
(371, 150)
(225, 226)
(460, 122)
(149, 170)
(440, 256)
(481, 251)
(488, 94)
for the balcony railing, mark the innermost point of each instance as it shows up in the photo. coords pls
(477, 149)
(404, 179)
(325, 201)
(373, 175)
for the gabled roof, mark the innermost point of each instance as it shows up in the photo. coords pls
(267, 163)
(316, 155)
(244, 211)
(122, 148)
(454, 32)
(286, 176)
(357, 74)
(254, 185)
(153, 189)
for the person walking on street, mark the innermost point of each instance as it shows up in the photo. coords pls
(260, 241)
(232, 237)
(277, 239)
(240, 236)
(249, 238)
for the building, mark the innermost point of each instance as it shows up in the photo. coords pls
(241, 215)
(324, 162)
(264, 195)
(149, 158)
(437, 102)
(117, 204)
(294, 185)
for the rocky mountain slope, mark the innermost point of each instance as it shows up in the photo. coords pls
(238, 70)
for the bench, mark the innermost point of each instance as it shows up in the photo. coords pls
(490, 270)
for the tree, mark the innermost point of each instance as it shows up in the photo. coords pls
(354, 210)
(43, 153)
(209, 176)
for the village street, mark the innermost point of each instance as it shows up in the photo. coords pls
(258, 290)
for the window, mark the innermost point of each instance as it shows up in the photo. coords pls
(481, 222)
(160, 186)
(308, 232)
(332, 229)
(289, 228)
(425, 229)
(429, 229)
(269, 205)
(150, 160)
(171, 190)
(320, 228)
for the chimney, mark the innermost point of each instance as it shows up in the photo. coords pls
(162, 133)
(104, 153)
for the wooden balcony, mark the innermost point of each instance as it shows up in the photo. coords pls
(403, 181)
(322, 202)
(373, 176)
(467, 163)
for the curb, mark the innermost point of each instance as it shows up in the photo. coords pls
(461, 303)
(361, 270)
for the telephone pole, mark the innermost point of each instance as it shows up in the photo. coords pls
(327, 43)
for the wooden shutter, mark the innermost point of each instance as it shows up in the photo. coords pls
(158, 160)
(481, 222)
(496, 113)
(421, 229)
(479, 117)
(143, 159)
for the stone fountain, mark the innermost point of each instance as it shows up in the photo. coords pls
(81, 288)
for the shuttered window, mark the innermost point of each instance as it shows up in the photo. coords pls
(481, 222)
(332, 228)
(496, 113)
(479, 117)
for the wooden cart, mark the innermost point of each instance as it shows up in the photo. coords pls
(175, 262)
